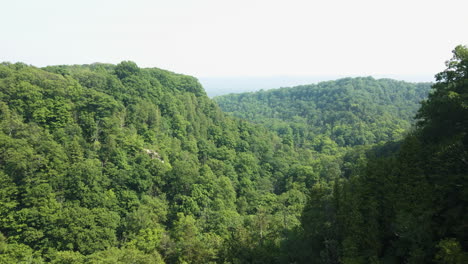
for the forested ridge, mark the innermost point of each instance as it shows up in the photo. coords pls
(117, 164)
(345, 112)
(110, 163)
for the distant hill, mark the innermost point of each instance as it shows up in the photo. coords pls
(346, 112)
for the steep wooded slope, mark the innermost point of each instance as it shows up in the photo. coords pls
(405, 202)
(122, 164)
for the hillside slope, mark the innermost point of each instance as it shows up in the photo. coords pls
(117, 164)
(349, 112)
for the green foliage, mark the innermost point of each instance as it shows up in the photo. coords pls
(124, 255)
(126, 69)
(450, 252)
(445, 114)
(17, 253)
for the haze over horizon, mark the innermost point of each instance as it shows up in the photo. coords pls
(256, 38)
(215, 86)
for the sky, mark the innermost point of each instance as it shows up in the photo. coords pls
(239, 38)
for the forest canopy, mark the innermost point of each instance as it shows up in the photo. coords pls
(119, 164)
(107, 163)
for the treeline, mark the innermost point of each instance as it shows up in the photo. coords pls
(346, 112)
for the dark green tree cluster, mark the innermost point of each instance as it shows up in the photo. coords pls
(404, 202)
(346, 112)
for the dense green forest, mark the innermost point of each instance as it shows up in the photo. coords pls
(346, 112)
(112, 163)
(119, 164)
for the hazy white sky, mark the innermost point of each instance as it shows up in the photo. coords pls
(240, 37)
